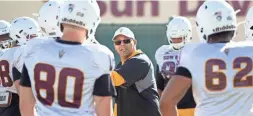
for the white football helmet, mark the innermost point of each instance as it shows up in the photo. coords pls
(215, 16)
(49, 19)
(248, 25)
(91, 39)
(23, 29)
(5, 42)
(84, 14)
(179, 27)
(4, 27)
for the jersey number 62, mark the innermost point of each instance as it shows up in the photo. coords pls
(216, 80)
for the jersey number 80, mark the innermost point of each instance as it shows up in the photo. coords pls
(59, 90)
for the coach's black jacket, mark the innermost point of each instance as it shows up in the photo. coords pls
(136, 87)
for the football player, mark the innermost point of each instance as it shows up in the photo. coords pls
(48, 19)
(4, 34)
(64, 76)
(9, 99)
(22, 30)
(219, 71)
(179, 31)
(92, 38)
(248, 25)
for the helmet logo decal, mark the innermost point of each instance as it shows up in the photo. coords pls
(80, 14)
(229, 18)
(3, 27)
(218, 16)
(61, 53)
(121, 30)
(227, 27)
(71, 7)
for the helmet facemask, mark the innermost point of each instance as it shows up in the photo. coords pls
(6, 44)
(178, 45)
(179, 27)
(248, 25)
(24, 29)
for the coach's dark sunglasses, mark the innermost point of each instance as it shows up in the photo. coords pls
(126, 41)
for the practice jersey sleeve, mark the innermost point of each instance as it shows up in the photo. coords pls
(18, 62)
(185, 61)
(104, 87)
(183, 72)
(159, 55)
(160, 81)
(25, 79)
(104, 59)
(20, 55)
(19, 58)
(16, 74)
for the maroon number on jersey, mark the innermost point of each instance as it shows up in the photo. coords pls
(47, 84)
(217, 80)
(4, 73)
(168, 68)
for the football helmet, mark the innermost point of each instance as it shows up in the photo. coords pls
(215, 16)
(23, 29)
(84, 14)
(48, 19)
(179, 27)
(248, 25)
(5, 29)
(91, 39)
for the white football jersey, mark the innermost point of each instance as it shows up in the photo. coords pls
(73, 70)
(222, 77)
(19, 58)
(7, 61)
(167, 59)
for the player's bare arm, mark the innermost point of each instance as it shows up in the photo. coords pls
(173, 93)
(27, 100)
(101, 104)
(16, 77)
(103, 92)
